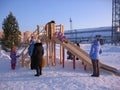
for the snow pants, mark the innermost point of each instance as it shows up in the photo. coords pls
(13, 65)
(95, 67)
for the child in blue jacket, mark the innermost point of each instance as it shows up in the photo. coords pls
(95, 57)
(30, 52)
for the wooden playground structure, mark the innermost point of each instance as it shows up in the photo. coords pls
(51, 29)
(47, 36)
(47, 33)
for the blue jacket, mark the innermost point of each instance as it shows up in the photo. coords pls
(95, 50)
(30, 49)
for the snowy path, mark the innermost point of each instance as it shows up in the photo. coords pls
(58, 78)
(54, 78)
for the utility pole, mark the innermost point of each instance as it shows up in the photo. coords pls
(70, 24)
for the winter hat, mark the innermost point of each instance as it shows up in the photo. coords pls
(32, 37)
(13, 48)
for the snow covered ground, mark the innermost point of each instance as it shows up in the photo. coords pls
(58, 78)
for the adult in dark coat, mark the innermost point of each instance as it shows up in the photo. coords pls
(38, 53)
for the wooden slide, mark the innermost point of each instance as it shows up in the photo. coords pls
(84, 56)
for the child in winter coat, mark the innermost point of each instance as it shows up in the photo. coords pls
(13, 57)
(95, 56)
(61, 37)
(30, 52)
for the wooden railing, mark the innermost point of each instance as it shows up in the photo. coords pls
(37, 34)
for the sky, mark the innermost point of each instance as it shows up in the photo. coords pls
(59, 78)
(84, 13)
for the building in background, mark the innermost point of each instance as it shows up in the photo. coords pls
(88, 35)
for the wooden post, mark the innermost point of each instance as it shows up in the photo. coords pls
(50, 49)
(61, 47)
(22, 60)
(46, 28)
(53, 54)
(53, 30)
(63, 56)
(47, 53)
(47, 43)
(62, 28)
(54, 47)
(73, 62)
(38, 31)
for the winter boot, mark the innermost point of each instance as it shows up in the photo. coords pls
(38, 73)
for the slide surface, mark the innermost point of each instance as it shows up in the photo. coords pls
(75, 50)
(85, 56)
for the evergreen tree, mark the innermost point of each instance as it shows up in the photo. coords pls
(11, 32)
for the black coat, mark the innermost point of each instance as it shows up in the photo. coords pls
(38, 53)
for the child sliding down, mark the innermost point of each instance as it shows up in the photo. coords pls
(61, 37)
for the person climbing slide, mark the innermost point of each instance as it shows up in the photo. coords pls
(61, 37)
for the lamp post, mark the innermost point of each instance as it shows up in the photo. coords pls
(70, 24)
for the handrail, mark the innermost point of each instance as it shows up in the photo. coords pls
(30, 37)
